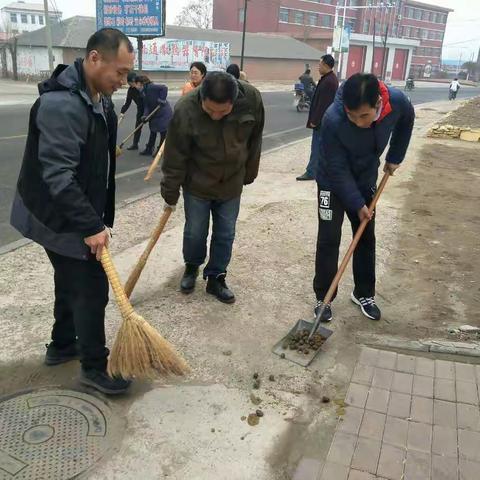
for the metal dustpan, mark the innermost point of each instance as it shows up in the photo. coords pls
(294, 355)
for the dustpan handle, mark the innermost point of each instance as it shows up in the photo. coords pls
(123, 303)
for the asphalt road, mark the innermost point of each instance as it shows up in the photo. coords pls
(283, 125)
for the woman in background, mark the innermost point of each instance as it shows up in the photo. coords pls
(198, 70)
(153, 96)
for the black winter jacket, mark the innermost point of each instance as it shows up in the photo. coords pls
(66, 187)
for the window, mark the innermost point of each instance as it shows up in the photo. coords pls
(418, 14)
(410, 12)
(13, 17)
(33, 19)
(283, 16)
(353, 23)
(241, 15)
(435, 18)
(24, 18)
(313, 19)
(424, 34)
(299, 18)
(326, 21)
(40, 19)
(366, 26)
(406, 31)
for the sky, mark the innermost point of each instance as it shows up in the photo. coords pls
(462, 38)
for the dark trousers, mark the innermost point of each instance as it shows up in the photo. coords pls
(81, 295)
(153, 137)
(330, 219)
(136, 137)
(197, 222)
(312, 167)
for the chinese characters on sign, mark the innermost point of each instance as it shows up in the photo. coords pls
(177, 55)
(133, 17)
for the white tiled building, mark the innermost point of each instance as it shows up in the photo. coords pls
(21, 17)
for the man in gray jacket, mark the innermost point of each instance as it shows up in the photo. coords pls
(66, 193)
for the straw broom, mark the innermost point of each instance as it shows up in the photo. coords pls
(139, 350)
(155, 162)
(137, 271)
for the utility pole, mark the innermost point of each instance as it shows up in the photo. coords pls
(140, 52)
(244, 32)
(372, 70)
(48, 32)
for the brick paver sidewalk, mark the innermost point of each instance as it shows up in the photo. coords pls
(408, 418)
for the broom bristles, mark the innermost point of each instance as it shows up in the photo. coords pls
(140, 351)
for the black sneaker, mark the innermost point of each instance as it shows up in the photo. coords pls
(187, 285)
(133, 147)
(102, 382)
(367, 306)
(217, 286)
(304, 177)
(57, 356)
(327, 312)
(146, 152)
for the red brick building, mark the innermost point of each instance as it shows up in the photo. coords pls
(414, 41)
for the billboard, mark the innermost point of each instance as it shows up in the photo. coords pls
(341, 41)
(176, 55)
(132, 17)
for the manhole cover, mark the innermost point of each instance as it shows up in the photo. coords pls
(52, 434)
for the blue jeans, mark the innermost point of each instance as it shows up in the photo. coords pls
(197, 221)
(312, 167)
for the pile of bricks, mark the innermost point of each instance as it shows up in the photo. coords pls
(445, 131)
(450, 131)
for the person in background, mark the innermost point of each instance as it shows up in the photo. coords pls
(234, 69)
(136, 96)
(453, 90)
(198, 70)
(308, 82)
(322, 99)
(365, 117)
(153, 96)
(65, 198)
(212, 150)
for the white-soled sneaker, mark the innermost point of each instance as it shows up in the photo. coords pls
(367, 306)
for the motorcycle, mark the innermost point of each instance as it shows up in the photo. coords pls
(301, 101)
(409, 84)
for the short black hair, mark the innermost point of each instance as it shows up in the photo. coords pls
(308, 71)
(234, 69)
(131, 77)
(143, 79)
(328, 60)
(361, 89)
(200, 66)
(107, 41)
(219, 87)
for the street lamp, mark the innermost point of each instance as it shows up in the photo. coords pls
(244, 31)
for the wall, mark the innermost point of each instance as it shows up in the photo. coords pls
(31, 61)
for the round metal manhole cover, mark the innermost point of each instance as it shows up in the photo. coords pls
(52, 434)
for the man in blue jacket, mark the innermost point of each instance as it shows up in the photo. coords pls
(365, 117)
(65, 199)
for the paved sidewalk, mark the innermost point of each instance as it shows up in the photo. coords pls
(407, 418)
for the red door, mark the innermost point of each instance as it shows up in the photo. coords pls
(378, 60)
(356, 59)
(400, 64)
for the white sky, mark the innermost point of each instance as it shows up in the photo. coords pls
(462, 35)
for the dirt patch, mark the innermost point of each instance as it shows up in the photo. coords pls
(465, 116)
(434, 271)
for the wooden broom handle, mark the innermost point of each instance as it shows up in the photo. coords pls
(140, 126)
(123, 303)
(155, 162)
(356, 239)
(133, 278)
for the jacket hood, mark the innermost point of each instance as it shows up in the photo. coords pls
(65, 77)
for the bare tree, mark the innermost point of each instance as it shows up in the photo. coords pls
(10, 44)
(197, 13)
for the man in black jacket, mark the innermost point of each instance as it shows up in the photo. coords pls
(65, 197)
(322, 99)
(136, 96)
